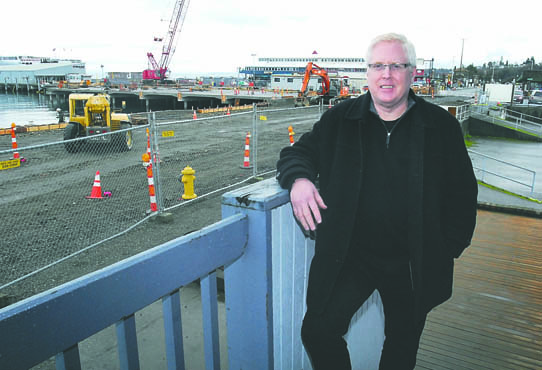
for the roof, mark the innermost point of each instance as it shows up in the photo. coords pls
(33, 67)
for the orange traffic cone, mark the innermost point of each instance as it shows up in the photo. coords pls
(96, 188)
(291, 133)
(246, 162)
(195, 116)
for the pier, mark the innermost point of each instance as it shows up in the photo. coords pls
(146, 99)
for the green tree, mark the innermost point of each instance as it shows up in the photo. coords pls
(471, 71)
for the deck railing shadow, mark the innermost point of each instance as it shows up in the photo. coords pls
(265, 258)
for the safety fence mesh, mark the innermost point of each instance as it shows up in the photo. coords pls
(53, 208)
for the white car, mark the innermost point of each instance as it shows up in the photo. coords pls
(536, 97)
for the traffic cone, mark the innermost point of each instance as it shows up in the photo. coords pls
(14, 142)
(291, 133)
(96, 188)
(329, 104)
(246, 162)
(195, 116)
(228, 112)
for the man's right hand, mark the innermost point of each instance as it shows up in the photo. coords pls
(306, 203)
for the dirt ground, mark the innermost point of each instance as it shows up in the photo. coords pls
(61, 175)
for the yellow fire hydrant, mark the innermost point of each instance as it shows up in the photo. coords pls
(188, 181)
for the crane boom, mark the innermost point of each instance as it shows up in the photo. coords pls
(159, 70)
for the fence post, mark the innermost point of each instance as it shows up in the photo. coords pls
(254, 140)
(248, 280)
(483, 168)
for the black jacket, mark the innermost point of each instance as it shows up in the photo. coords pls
(442, 194)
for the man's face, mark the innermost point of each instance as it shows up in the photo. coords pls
(389, 88)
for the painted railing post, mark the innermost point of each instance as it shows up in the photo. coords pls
(265, 289)
(248, 280)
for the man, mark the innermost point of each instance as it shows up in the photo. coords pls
(396, 204)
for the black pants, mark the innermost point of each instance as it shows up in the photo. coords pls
(322, 333)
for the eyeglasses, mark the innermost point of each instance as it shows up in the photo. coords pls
(394, 67)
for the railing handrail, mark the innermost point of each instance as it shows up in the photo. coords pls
(55, 321)
(484, 170)
(521, 121)
(525, 115)
(501, 161)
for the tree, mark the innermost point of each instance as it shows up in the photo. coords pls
(471, 71)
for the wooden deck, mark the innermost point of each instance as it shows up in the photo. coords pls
(494, 319)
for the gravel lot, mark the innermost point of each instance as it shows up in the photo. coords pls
(57, 173)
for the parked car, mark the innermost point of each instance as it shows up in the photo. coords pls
(518, 96)
(536, 97)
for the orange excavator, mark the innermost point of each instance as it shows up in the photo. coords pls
(329, 89)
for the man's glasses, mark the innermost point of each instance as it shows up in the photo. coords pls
(394, 67)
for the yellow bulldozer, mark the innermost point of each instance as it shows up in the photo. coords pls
(91, 115)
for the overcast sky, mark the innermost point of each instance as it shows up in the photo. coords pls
(222, 35)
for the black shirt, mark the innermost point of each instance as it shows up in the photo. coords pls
(380, 233)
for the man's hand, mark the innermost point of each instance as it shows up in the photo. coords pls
(306, 203)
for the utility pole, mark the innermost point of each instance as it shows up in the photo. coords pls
(461, 61)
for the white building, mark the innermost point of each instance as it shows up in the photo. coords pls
(25, 72)
(352, 68)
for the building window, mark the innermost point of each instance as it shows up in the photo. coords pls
(290, 80)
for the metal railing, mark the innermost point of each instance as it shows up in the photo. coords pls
(509, 118)
(463, 112)
(483, 166)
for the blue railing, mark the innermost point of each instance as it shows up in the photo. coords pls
(265, 259)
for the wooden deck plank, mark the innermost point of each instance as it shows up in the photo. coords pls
(494, 319)
(478, 344)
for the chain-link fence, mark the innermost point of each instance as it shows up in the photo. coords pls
(47, 216)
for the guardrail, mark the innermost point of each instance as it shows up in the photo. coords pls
(265, 258)
(510, 118)
(483, 164)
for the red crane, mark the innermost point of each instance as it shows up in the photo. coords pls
(159, 71)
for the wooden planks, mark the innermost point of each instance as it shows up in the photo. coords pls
(494, 319)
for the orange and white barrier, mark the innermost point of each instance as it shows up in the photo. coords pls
(96, 192)
(14, 142)
(150, 179)
(291, 134)
(148, 143)
(246, 161)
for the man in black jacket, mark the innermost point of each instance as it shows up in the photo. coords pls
(396, 204)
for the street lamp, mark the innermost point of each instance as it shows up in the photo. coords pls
(102, 66)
